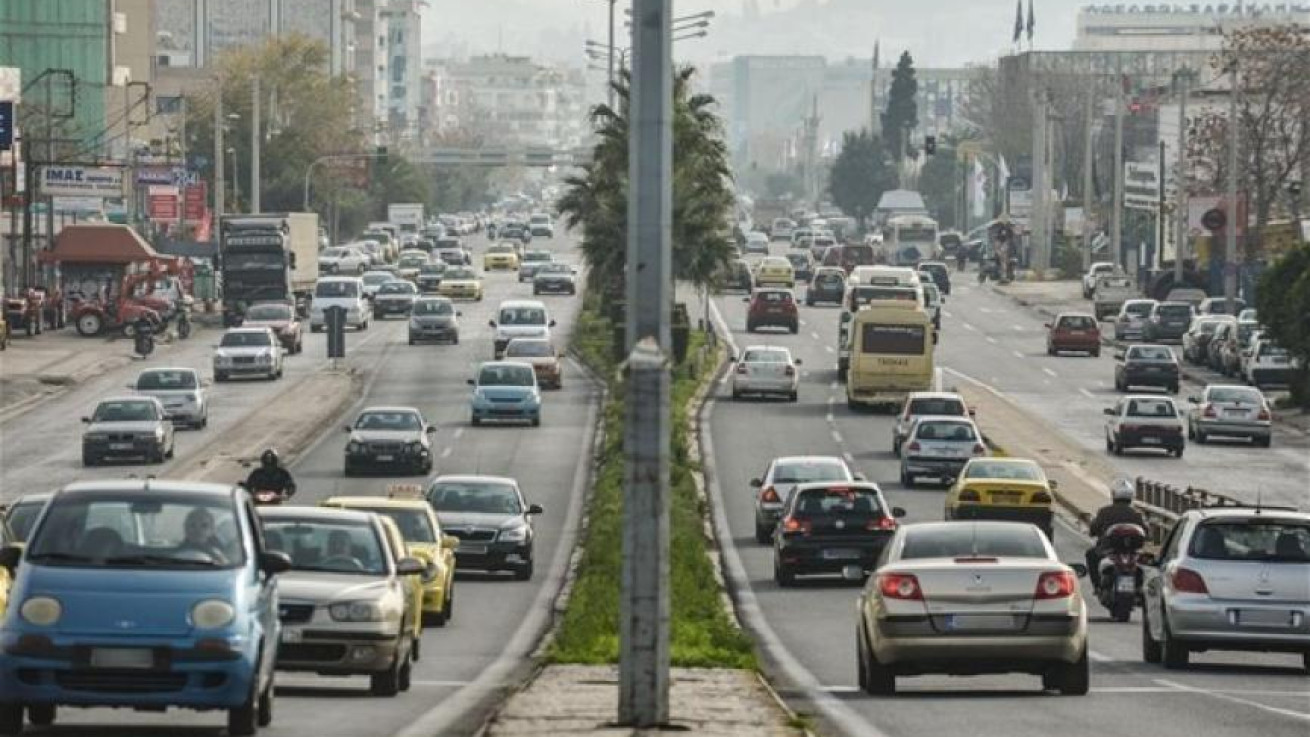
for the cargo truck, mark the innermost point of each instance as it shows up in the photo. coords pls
(268, 257)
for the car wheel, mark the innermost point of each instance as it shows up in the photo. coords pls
(750, 327)
(761, 534)
(1265, 441)
(896, 447)
(1050, 351)
(411, 341)
(265, 706)
(782, 574)
(907, 479)
(1191, 432)
(536, 422)
(524, 572)
(793, 396)
(794, 328)
(1173, 653)
(475, 420)
(1201, 437)
(1074, 679)
(387, 682)
(736, 395)
(878, 678)
(220, 376)
(315, 328)
(11, 718)
(403, 679)
(1305, 661)
(1096, 353)
(1109, 444)
(1118, 448)
(1150, 647)
(41, 715)
(348, 470)
(243, 721)
(1173, 388)
(1178, 452)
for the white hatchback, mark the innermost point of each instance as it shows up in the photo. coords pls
(765, 370)
(339, 291)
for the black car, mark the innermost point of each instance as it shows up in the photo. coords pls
(827, 285)
(429, 277)
(389, 438)
(1146, 365)
(515, 231)
(491, 519)
(941, 275)
(829, 527)
(1168, 321)
(394, 298)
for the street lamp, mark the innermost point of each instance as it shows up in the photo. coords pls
(236, 176)
(610, 55)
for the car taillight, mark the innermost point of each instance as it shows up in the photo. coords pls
(791, 524)
(1187, 581)
(1264, 415)
(1209, 411)
(969, 495)
(979, 449)
(881, 523)
(900, 586)
(914, 447)
(769, 495)
(790, 371)
(1055, 585)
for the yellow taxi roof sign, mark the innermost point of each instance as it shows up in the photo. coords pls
(405, 491)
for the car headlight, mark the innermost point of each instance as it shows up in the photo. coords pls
(415, 447)
(354, 447)
(514, 534)
(212, 614)
(191, 397)
(41, 611)
(220, 359)
(265, 358)
(356, 611)
(159, 433)
(414, 323)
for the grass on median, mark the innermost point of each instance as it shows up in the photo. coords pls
(701, 634)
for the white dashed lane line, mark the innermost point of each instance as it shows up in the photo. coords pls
(1087, 393)
(991, 340)
(836, 437)
(1017, 354)
(814, 335)
(1048, 371)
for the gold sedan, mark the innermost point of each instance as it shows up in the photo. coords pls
(461, 282)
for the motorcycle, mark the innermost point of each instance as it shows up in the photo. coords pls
(1119, 576)
(143, 339)
(989, 268)
(264, 497)
(184, 323)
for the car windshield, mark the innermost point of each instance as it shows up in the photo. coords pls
(964, 540)
(1138, 309)
(831, 277)
(489, 497)
(554, 268)
(773, 296)
(327, 545)
(798, 259)
(952, 431)
(432, 307)
(381, 420)
(837, 500)
(500, 248)
(799, 472)
(937, 406)
(766, 355)
(1003, 470)
(269, 312)
(413, 261)
(505, 375)
(336, 289)
(246, 339)
(22, 516)
(165, 380)
(375, 278)
(529, 349)
(1267, 540)
(125, 411)
(1206, 327)
(522, 316)
(396, 287)
(1150, 353)
(1077, 322)
(456, 274)
(1147, 407)
(147, 529)
(333, 253)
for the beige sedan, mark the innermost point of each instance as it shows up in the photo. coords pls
(542, 355)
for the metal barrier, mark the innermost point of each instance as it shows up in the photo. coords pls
(1162, 504)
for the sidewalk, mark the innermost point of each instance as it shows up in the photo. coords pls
(583, 700)
(33, 369)
(1049, 298)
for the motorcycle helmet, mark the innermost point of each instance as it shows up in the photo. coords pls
(269, 458)
(1122, 490)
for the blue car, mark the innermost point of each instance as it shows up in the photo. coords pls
(142, 594)
(506, 391)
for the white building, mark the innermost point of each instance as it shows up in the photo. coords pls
(510, 100)
(1176, 27)
(403, 23)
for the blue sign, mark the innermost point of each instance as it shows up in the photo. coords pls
(6, 124)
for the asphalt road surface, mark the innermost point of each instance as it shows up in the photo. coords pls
(1224, 694)
(496, 618)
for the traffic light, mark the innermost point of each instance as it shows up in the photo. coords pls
(930, 145)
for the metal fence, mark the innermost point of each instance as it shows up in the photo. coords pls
(1162, 504)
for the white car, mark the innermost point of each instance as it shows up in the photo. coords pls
(180, 390)
(765, 370)
(1094, 272)
(339, 291)
(1267, 364)
(922, 404)
(757, 243)
(540, 225)
(939, 446)
(519, 318)
(1144, 421)
(343, 260)
(248, 352)
(1131, 322)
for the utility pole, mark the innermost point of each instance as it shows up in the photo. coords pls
(644, 608)
(1180, 177)
(1117, 213)
(255, 139)
(1230, 256)
(220, 151)
(609, 90)
(1159, 215)
(1087, 180)
(1040, 188)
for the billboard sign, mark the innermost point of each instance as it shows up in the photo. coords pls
(80, 181)
(162, 204)
(1142, 185)
(6, 125)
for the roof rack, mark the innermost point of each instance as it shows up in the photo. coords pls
(405, 491)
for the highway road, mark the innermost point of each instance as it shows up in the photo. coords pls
(497, 620)
(813, 625)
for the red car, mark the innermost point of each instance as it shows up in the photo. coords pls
(1073, 331)
(772, 308)
(281, 318)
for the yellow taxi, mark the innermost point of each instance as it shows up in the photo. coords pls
(1014, 489)
(500, 257)
(775, 271)
(461, 282)
(414, 592)
(420, 529)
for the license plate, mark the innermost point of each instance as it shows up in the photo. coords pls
(1151, 441)
(120, 446)
(1279, 360)
(1006, 497)
(979, 621)
(1125, 585)
(1234, 413)
(1264, 617)
(471, 548)
(122, 657)
(384, 459)
(840, 554)
(290, 635)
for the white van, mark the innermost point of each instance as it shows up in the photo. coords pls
(520, 318)
(339, 291)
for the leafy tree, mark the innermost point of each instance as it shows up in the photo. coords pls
(1283, 302)
(859, 175)
(597, 198)
(939, 183)
(902, 114)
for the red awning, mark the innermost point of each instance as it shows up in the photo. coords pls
(101, 243)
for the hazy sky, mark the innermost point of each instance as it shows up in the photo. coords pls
(936, 32)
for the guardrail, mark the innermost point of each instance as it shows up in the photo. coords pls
(1162, 504)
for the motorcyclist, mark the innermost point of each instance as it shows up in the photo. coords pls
(271, 476)
(1119, 511)
(961, 258)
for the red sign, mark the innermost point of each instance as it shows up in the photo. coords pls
(162, 204)
(193, 202)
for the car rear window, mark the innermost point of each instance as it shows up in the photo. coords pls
(1077, 322)
(765, 356)
(336, 289)
(837, 501)
(954, 431)
(1151, 408)
(1150, 353)
(799, 472)
(969, 540)
(937, 406)
(1138, 308)
(1265, 540)
(165, 379)
(781, 297)
(1174, 310)
(1003, 470)
(893, 340)
(1270, 349)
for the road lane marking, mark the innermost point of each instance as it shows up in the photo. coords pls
(836, 437)
(947, 313)
(814, 335)
(829, 349)
(1017, 327)
(1298, 715)
(968, 326)
(1086, 392)
(1099, 657)
(991, 340)
(833, 386)
(459, 432)
(804, 323)
(1048, 371)
(446, 453)
(829, 417)
(1017, 354)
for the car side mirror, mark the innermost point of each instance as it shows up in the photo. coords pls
(898, 512)
(757, 483)
(1079, 570)
(410, 567)
(1108, 411)
(1053, 484)
(1047, 324)
(9, 557)
(346, 428)
(536, 509)
(1118, 356)
(470, 382)
(449, 542)
(746, 299)
(492, 323)
(797, 361)
(430, 430)
(458, 313)
(273, 562)
(551, 324)
(86, 419)
(1194, 400)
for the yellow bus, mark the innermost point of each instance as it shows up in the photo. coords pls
(891, 354)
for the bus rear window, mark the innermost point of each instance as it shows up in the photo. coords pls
(893, 340)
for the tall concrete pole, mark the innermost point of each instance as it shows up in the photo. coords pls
(644, 615)
(1087, 180)
(256, 137)
(1230, 246)
(220, 153)
(1180, 178)
(1038, 242)
(610, 89)
(1117, 213)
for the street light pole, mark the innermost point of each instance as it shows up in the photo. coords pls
(1230, 257)
(609, 90)
(255, 140)
(644, 615)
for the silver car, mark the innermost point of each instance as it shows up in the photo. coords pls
(939, 446)
(782, 476)
(180, 390)
(1229, 579)
(345, 604)
(127, 427)
(1144, 421)
(1131, 322)
(1230, 411)
(919, 404)
(248, 352)
(971, 598)
(766, 370)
